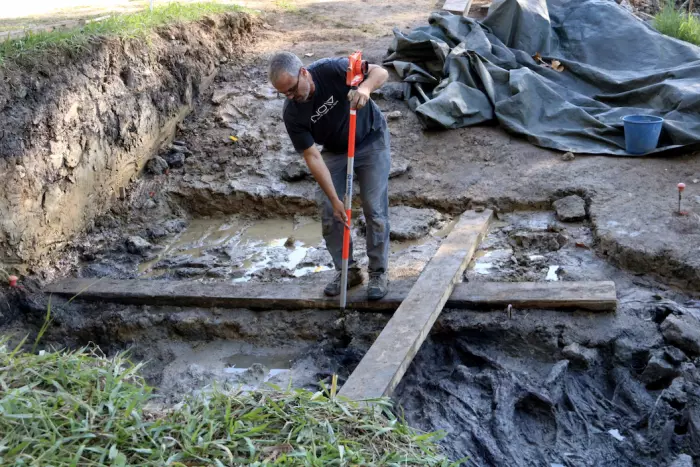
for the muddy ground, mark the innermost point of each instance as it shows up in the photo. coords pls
(632, 202)
(537, 388)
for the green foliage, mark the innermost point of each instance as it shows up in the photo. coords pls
(79, 408)
(678, 24)
(287, 5)
(134, 25)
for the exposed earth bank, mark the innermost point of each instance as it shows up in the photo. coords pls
(77, 130)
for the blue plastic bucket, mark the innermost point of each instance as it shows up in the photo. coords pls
(642, 133)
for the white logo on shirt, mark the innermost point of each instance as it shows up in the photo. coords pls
(324, 109)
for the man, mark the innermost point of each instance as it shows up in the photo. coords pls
(317, 111)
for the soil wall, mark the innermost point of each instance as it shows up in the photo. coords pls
(75, 130)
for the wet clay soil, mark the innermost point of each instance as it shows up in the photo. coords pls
(537, 388)
(554, 388)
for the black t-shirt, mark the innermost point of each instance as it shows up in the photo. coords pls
(325, 118)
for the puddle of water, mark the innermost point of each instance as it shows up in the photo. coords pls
(199, 236)
(239, 366)
(271, 236)
(483, 268)
(295, 257)
(255, 245)
(195, 366)
(275, 232)
(552, 274)
(480, 254)
(485, 261)
(241, 362)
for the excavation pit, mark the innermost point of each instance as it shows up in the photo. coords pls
(529, 385)
(520, 387)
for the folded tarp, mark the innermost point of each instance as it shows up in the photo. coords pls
(464, 72)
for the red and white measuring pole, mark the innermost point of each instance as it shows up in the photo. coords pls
(357, 70)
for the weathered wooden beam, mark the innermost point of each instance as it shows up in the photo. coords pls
(386, 361)
(458, 7)
(297, 295)
(592, 296)
(308, 294)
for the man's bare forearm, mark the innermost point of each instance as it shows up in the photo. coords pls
(318, 169)
(375, 78)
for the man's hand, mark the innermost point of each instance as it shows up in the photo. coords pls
(376, 76)
(339, 211)
(358, 98)
(318, 169)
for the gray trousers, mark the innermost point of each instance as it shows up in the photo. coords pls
(372, 164)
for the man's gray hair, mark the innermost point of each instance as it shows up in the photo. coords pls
(283, 62)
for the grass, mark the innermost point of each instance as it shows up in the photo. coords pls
(287, 5)
(130, 25)
(80, 408)
(678, 24)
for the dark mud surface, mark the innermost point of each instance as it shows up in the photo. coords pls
(525, 392)
(539, 388)
(553, 388)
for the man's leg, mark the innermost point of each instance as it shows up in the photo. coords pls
(373, 163)
(332, 228)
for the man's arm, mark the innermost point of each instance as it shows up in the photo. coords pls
(318, 169)
(376, 76)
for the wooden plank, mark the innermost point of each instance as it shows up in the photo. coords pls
(458, 7)
(300, 294)
(385, 363)
(307, 293)
(593, 296)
